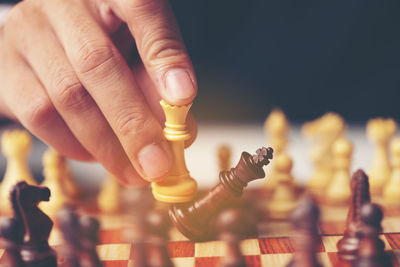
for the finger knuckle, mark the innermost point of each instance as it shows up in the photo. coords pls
(22, 20)
(163, 47)
(131, 121)
(93, 56)
(39, 113)
(71, 94)
(143, 6)
(14, 18)
(16, 13)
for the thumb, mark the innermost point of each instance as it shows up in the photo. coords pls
(161, 48)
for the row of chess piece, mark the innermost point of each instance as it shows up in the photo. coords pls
(16, 146)
(361, 243)
(25, 235)
(331, 154)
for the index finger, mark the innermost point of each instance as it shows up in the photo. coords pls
(106, 76)
(161, 47)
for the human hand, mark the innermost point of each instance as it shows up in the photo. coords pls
(66, 78)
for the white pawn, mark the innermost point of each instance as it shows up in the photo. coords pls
(391, 191)
(284, 198)
(109, 198)
(338, 191)
(69, 186)
(57, 179)
(380, 131)
(276, 127)
(224, 157)
(16, 145)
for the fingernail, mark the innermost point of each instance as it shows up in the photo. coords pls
(155, 160)
(179, 85)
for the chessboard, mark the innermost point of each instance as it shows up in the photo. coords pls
(271, 247)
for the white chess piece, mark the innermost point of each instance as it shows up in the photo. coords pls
(109, 198)
(276, 127)
(284, 198)
(380, 131)
(54, 179)
(391, 191)
(16, 145)
(324, 131)
(338, 191)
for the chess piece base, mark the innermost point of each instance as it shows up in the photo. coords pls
(168, 191)
(347, 248)
(196, 233)
(41, 256)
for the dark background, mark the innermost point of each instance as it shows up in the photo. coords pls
(307, 57)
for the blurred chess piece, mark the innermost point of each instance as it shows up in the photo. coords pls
(338, 191)
(140, 201)
(12, 233)
(177, 186)
(158, 225)
(234, 225)
(284, 197)
(380, 131)
(391, 191)
(70, 188)
(371, 251)
(109, 198)
(68, 223)
(324, 131)
(58, 180)
(16, 145)
(89, 229)
(305, 219)
(35, 249)
(348, 245)
(224, 157)
(276, 127)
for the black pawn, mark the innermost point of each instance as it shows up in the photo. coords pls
(140, 201)
(233, 225)
(371, 251)
(90, 228)
(157, 224)
(305, 227)
(70, 228)
(137, 236)
(12, 232)
(348, 245)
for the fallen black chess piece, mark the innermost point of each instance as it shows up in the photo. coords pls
(194, 219)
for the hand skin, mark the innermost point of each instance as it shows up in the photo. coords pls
(86, 77)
